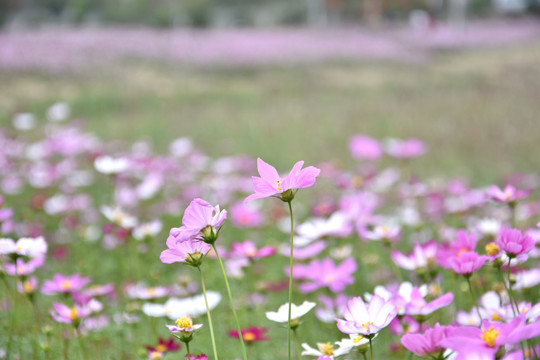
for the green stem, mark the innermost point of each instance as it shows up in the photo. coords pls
(370, 349)
(364, 355)
(187, 350)
(297, 341)
(507, 291)
(208, 314)
(81, 345)
(473, 297)
(290, 277)
(510, 291)
(244, 354)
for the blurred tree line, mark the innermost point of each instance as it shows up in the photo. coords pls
(229, 13)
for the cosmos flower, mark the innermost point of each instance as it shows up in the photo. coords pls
(147, 230)
(184, 325)
(282, 315)
(23, 268)
(251, 334)
(324, 273)
(249, 249)
(514, 243)
(405, 149)
(324, 350)
(69, 315)
(427, 344)
(197, 357)
(467, 263)
(367, 319)
(245, 215)
(64, 284)
(507, 195)
(487, 339)
(364, 147)
(175, 308)
(118, 217)
(201, 220)
(190, 251)
(271, 184)
(29, 247)
(27, 286)
(141, 291)
(422, 257)
(111, 166)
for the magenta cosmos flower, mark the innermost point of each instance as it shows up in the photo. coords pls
(486, 340)
(467, 262)
(201, 220)
(69, 315)
(366, 319)
(324, 273)
(427, 344)
(271, 184)
(514, 243)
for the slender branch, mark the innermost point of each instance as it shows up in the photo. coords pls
(209, 316)
(291, 262)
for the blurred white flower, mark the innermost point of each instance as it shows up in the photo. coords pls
(24, 121)
(58, 112)
(109, 165)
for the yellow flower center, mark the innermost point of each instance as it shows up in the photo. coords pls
(496, 317)
(156, 355)
(65, 285)
(328, 279)
(492, 249)
(357, 339)
(184, 322)
(73, 314)
(366, 325)
(151, 291)
(27, 286)
(278, 185)
(19, 249)
(161, 348)
(523, 310)
(385, 230)
(326, 349)
(118, 217)
(464, 250)
(489, 336)
(249, 336)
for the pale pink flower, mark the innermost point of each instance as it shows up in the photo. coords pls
(69, 315)
(507, 195)
(367, 319)
(271, 184)
(364, 147)
(514, 243)
(64, 284)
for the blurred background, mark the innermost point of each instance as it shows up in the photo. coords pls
(287, 80)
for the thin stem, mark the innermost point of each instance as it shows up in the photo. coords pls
(364, 355)
(507, 291)
(510, 291)
(297, 341)
(187, 350)
(81, 345)
(370, 349)
(290, 276)
(244, 354)
(473, 298)
(208, 314)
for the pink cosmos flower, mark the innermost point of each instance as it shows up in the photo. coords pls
(423, 255)
(249, 249)
(307, 252)
(403, 325)
(364, 147)
(487, 339)
(190, 251)
(271, 184)
(367, 319)
(417, 305)
(324, 273)
(464, 242)
(184, 325)
(197, 357)
(514, 243)
(245, 215)
(23, 268)
(405, 149)
(64, 284)
(201, 220)
(27, 286)
(427, 344)
(69, 315)
(508, 195)
(467, 263)
(330, 308)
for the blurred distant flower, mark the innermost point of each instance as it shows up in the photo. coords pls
(324, 351)
(324, 273)
(467, 262)
(385, 233)
(118, 217)
(364, 147)
(427, 344)
(249, 249)
(271, 184)
(330, 308)
(245, 215)
(176, 308)
(27, 286)
(141, 291)
(251, 334)
(24, 268)
(507, 195)
(29, 247)
(421, 259)
(164, 346)
(111, 166)
(24, 121)
(70, 315)
(405, 149)
(147, 230)
(64, 284)
(58, 112)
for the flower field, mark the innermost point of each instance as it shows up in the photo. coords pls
(134, 226)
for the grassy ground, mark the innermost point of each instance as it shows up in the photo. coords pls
(478, 110)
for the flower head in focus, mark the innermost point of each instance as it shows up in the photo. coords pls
(367, 319)
(271, 184)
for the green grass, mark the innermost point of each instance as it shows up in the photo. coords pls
(477, 110)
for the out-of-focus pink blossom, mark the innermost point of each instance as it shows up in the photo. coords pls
(364, 147)
(514, 243)
(507, 195)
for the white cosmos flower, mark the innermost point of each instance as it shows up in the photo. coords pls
(119, 217)
(176, 308)
(147, 230)
(31, 247)
(282, 315)
(354, 341)
(24, 121)
(58, 112)
(109, 165)
(323, 349)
